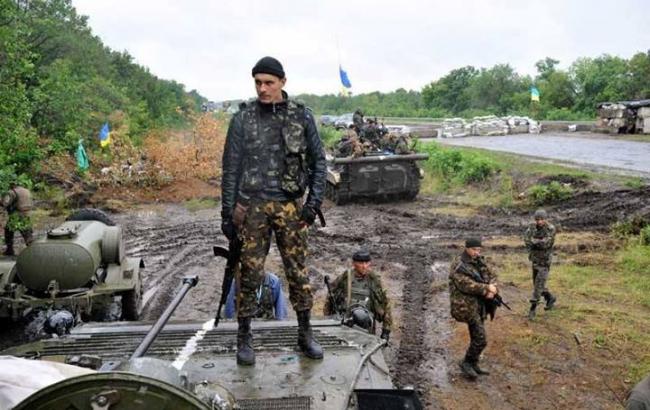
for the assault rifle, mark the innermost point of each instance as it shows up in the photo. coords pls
(491, 305)
(232, 255)
(326, 279)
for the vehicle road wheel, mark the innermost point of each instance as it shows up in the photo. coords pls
(91, 214)
(131, 300)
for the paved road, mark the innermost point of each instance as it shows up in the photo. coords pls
(630, 157)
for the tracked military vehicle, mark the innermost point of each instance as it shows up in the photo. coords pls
(192, 366)
(374, 177)
(79, 266)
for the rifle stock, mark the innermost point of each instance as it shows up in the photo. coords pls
(232, 255)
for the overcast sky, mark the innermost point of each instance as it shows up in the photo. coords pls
(211, 46)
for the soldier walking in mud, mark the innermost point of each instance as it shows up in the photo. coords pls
(539, 238)
(359, 293)
(471, 283)
(18, 203)
(273, 153)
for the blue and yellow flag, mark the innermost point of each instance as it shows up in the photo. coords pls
(534, 94)
(104, 135)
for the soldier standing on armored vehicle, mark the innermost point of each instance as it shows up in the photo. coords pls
(471, 283)
(18, 203)
(539, 239)
(273, 153)
(358, 292)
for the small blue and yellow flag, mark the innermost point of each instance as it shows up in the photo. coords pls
(104, 135)
(534, 94)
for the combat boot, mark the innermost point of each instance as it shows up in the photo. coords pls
(9, 241)
(478, 370)
(306, 342)
(245, 352)
(531, 312)
(550, 300)
(468, 370)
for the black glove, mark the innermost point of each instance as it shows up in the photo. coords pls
(385, 334)
(228, 228)
(308, 215)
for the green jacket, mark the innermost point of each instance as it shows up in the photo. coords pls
(466, 294)
(378, 304)
(539, 242)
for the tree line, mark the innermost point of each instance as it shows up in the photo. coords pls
(570, 94)
(59, 83)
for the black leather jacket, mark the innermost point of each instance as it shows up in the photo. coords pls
(233, 163)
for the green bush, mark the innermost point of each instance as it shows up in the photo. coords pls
(644, 236)
(330, 136)
(554, 192)
(456, 166)
(630, 227)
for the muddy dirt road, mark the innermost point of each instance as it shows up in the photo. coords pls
(628, 156)
(411, 245)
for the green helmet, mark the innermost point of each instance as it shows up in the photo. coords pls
(540, 214)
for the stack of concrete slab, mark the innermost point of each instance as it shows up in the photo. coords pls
(614, 118)
(488, 125)
(517, 125)
(643, 120)
(453, 128)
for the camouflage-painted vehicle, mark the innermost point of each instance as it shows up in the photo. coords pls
(374, 177)
(192, 366)
(79, 266)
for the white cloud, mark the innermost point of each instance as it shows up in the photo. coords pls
(384, 45)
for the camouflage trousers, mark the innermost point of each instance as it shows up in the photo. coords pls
(18, 223)
(540, 275)
(263, 218)
(478, 340)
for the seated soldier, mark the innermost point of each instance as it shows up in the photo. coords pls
(270, 300)
(360, 297)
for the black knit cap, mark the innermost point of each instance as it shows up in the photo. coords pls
(473, 243)
(269, 65)
(361, 255)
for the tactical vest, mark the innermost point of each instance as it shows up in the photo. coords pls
(358, 291)
(22, 201)
(274, 152)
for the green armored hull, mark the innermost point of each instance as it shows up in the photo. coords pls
(375, 177)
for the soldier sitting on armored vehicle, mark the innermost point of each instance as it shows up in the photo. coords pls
(270, 300)
(361, 297)
(350, 145)
(397, 144)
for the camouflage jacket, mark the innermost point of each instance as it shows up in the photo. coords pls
(17, 199)
(273, 152)
(539, 242)
(378, 305)
(465, 293)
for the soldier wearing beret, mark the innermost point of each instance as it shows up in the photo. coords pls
(360, 295)
(471, 282)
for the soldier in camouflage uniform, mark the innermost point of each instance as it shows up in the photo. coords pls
(467, 296)
(358, 292)
(539, 238)
(18, 203)
(357, 120)
(273, 153)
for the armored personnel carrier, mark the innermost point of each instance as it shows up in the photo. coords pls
(192, 366)
(79, 266)
(375, 176)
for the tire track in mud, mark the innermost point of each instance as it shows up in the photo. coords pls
(172, 247)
